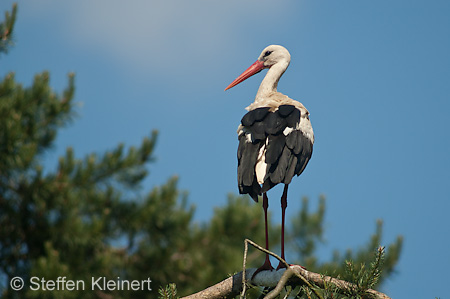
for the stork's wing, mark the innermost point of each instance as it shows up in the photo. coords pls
(271, 142)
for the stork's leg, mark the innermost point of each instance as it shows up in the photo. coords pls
(267, 265)
(283, 212)
(265, 207)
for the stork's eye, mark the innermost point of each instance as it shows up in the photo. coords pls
(267, 53)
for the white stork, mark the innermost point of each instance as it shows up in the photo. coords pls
(275, 137)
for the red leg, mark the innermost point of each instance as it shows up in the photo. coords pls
(267, 265)
(283, 212)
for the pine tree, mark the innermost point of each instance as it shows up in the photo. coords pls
(86, 218)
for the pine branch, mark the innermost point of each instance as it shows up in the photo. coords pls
(293, 276)
(232, 286)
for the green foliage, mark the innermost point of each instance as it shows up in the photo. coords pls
(364, 278)
(169, 292)
(29, 119)
(6, 29)
(87, 217)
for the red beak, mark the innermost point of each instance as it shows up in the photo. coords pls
(253, 69)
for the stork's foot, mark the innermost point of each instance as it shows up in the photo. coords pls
(266, 266)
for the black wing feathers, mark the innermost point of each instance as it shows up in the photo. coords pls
(255, 115)
(285, 156)
(285, 110)
(274, 123)
(293, 118)
(247, 156)
(277, 171)
(274, 148)
(258, 131)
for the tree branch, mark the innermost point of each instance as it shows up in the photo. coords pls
(232, 286)
(294, 275)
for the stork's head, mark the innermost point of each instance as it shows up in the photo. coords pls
(269, 57)
(274, 54)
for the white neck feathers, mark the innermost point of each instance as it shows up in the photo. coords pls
(270, 82)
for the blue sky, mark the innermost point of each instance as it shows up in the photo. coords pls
(375, 76)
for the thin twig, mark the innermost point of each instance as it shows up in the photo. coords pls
(244, 286)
